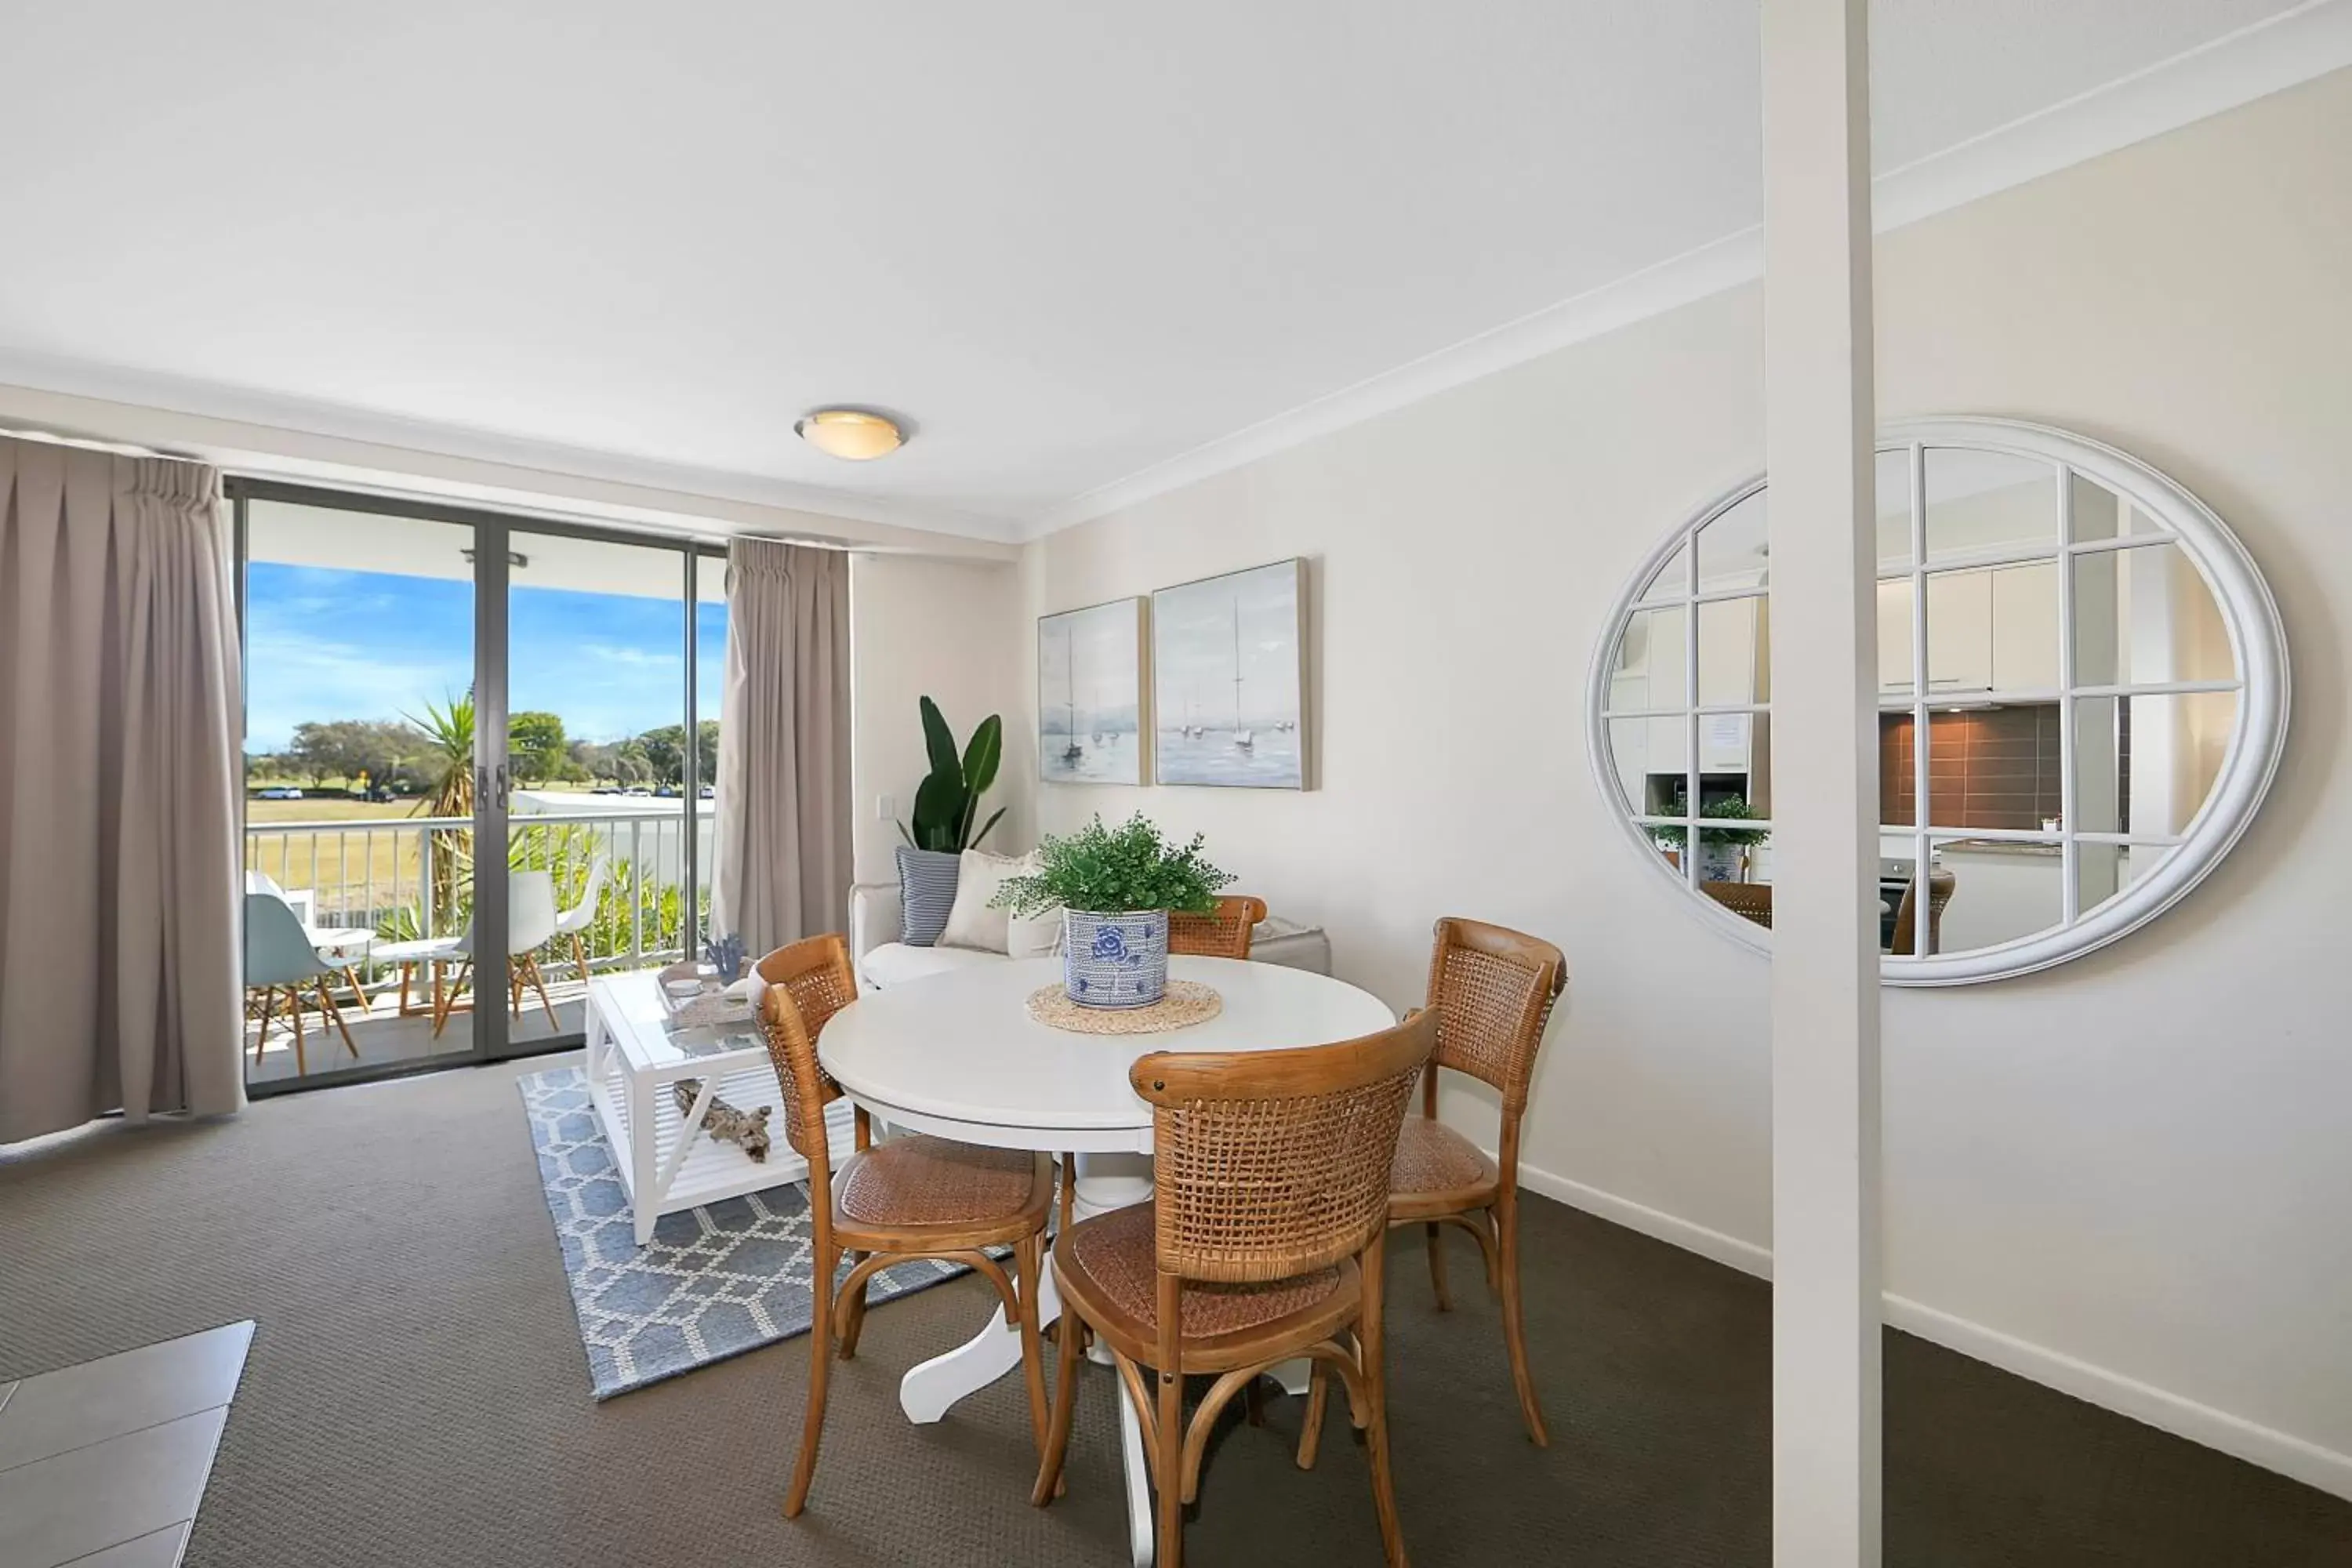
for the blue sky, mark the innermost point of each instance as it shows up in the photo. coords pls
(322, 644)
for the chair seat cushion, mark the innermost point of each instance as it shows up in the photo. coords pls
(1433, 1159)
(923, 1180)
(896, 962)
(1117, 1256)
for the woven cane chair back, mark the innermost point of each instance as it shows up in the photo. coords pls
(1492, 990)
(1270, 1165)
(806, 984)
(1224, 933)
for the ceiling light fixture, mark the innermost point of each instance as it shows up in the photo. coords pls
(850, 433)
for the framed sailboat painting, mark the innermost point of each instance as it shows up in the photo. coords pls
(1228, 672)
(1090, 723)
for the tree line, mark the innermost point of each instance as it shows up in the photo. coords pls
(398, 756)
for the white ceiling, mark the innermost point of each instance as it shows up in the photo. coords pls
(1068, 243)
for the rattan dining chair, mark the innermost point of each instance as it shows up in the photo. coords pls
(1491, 990)
(1224, 933)
(1748, 900)
(1941, 885)
(1262, 1244)
(903, 1198)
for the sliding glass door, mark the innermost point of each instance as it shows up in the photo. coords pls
(423, 683)
(601, 816)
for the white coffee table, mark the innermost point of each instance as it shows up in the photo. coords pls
(667, 1163)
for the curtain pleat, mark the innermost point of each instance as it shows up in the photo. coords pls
(783, 808)
(119, 681)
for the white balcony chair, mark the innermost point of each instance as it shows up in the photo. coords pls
(581, 915)
(345, 947)
(279, 956)
(530, 921)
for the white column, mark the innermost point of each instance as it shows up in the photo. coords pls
(1819, 420)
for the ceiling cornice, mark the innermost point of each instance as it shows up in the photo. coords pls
(2279, 52)
(309, 417)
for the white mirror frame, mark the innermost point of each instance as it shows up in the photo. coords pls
(2257, 641)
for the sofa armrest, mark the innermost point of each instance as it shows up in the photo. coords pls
(875, 917)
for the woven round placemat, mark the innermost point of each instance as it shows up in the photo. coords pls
(1185, 1002)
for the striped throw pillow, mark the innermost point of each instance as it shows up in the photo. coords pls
(926, 890)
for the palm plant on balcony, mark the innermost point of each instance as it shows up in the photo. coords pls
(448, 762)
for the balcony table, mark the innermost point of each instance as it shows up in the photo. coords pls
(957, 1054)
(434, 952)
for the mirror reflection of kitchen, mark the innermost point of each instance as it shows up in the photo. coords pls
(1988, 643)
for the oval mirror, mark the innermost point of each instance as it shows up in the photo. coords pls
(2082, 698)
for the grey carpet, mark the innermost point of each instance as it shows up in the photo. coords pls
(415, 1395)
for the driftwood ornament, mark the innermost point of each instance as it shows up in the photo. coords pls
(748, 1128)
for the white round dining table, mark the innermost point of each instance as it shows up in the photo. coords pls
(958, 1055)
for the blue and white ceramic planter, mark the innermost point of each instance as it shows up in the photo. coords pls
(1115, 961)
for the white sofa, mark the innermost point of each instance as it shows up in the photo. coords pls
(883, 960)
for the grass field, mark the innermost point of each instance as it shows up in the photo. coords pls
(324, 808)
(356, 859)
(354, 868)
(362, 858)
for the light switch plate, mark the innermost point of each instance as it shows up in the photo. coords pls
(884, 808)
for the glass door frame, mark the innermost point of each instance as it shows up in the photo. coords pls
(493, 557)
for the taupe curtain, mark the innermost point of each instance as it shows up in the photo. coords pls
(119, 773)
(783, 820)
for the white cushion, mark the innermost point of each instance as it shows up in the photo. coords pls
(1033, 936)
(972, 924)
(896, 962)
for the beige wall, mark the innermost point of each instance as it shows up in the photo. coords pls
(2136, 1162)
(921, 626)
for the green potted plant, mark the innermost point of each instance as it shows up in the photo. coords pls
(1116, 887)
(1721, 850)
(948, 799)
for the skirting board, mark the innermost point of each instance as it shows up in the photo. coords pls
(2273, 1450)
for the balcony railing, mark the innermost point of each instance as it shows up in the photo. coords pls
(412, 876)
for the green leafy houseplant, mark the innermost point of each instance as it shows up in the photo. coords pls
(1732, 808)
(948, 799)
(1115, 870)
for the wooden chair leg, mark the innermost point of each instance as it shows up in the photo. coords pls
(1167, 1439)
(539, 983)
(294, 1013)
(1069, 1189)
(1027, 1261)
(514, 989)
(294, 1022)
(351, 977)
(853, 1310)
(269, 1001)
(579, 957)
(334, 1015)
(1431, 1233)
(445, 997)
(1372, 1337)
(1515, 1339)
(1254, 1402)
(819, 1363)
(1311, 1431)
(1067, 1339)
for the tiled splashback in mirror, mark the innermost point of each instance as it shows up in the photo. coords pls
(1988, 767)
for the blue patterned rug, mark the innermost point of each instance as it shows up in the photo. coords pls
(714, 1281)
